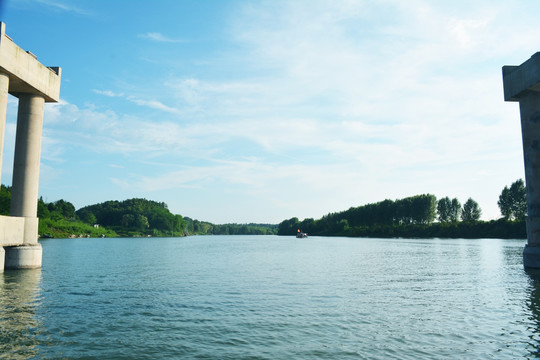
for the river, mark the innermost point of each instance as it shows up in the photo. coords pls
(269, 297)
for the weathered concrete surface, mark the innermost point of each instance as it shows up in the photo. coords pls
(26, 73)
(23, 257)
(25, 188)
(4, 88)
(522, 78)
(522, 83)
(11, 230)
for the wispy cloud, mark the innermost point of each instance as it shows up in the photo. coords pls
(335, 104)
(63, 6)
(158, 37)
(108, 93)
(153, 104)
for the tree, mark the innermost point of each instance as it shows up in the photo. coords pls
(443, 209)
(65, 208)
(471, 211)
(289, 227)
(87, 216)
(448, 210)
(455, 210)
(5, 199)
(513, 201)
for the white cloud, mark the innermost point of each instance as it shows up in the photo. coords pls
(153, 104)
(155, 36)
(108, 93)
(59, 5)
(336, 103)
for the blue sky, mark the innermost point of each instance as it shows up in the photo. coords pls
(258, 111)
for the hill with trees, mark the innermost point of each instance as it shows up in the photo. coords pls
(132, 217)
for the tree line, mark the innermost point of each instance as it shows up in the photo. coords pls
(420, 216)
(206, 228)
(132, 217)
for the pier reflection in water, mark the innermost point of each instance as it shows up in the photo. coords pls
(533, 304)
(19, 326)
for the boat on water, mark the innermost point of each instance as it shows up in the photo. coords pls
(300, 234)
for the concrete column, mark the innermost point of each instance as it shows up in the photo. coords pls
(24, 193)
(23, 257)
(529, 106)
(25, 184)
(2, 259)
(522, 83)
(4, 86)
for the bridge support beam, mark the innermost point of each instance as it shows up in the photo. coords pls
(522, 83)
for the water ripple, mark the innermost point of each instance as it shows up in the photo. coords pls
(272, 298)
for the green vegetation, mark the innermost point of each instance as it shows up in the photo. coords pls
(197, 227)
(56, 219)
(410, 217)
(513, 201)
(133, 218)
(415, 217)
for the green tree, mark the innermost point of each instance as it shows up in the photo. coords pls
(64, 208)
(444, 206)
(127, 220)
(87, 216)
(5, 199)
(471, 211)
(141, 222)
(289, 227)
(455, 210)
(448, 209)
(513, 201)
(42, 209)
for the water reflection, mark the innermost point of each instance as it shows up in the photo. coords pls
(534, 306)
(19, 327)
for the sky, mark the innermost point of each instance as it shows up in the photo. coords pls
(259, 111)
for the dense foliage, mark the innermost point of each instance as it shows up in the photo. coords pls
(410, 217)
(206, 228)
(471, 211)
(56, 219)
(134, 217)
(415, 210)
(414, 217)
(513, 201)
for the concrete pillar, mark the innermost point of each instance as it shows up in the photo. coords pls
(2, 259)
(23, 257)
(4, 87)
(25, 184)
(522, 83)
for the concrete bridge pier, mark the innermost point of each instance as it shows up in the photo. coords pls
(522, 83)
(25, 184)
(34, 84)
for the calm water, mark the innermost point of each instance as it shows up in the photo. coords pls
(243, 297)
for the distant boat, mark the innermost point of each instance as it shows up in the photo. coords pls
(301, 234)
